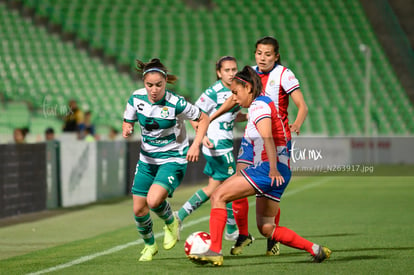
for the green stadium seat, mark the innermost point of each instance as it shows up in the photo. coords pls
(320, 44)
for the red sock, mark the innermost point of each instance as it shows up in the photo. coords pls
(218, 218)
(290, 238)
(277, 218)
(241, 213)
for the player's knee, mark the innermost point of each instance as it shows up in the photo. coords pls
(154, 202)
(266, 225)
(216, 198)
(266, 230)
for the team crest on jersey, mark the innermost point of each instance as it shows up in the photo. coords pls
(241, 151)
(164, 112)
(272, 83)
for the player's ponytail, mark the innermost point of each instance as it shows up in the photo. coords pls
(154, 65)
(248, 75)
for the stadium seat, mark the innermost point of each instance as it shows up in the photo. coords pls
(319, 41)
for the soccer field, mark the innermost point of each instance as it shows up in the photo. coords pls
(368, 222)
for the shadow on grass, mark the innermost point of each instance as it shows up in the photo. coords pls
(335, 235)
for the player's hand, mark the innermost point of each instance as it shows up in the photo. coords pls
(294, 128)
(127, 129)
(207, 143)
(193, 153)
(276, 177)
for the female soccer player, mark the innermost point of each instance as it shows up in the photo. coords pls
(278, 83)
(164, 150)
(218, 150)
(268, 176)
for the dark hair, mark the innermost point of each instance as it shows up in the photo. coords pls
(219, 62)
(249, 75)
(154, 65)
(49, 131)
(268, 40)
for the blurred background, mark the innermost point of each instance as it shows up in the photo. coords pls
(59, 58)
(53, 51)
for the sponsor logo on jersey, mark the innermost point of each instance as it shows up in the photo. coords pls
(151, 124)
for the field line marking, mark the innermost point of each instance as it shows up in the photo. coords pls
(159, 234)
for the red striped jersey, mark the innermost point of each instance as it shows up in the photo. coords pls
(278, 84)
(265, 107)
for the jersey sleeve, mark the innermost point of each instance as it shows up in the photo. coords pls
(130, 113)
(186, 110)
(259, 110)
(289, 81)
(207, 102)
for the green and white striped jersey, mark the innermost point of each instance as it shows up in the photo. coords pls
(220, 131)
(164, 138)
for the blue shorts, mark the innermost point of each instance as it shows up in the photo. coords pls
(258, 177)
(245, 152)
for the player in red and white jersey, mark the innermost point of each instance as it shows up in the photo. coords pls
(267, 177)
(279, 83)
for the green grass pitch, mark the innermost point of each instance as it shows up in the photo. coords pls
(368, 222)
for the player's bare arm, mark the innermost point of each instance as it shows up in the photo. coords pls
(127, 129)
(227, 105)
(264, 127)
(194, 150)
(299, 101)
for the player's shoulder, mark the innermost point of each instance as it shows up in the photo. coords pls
(173, 98)
(216, 87)
(139, 92)
(263, 99)
(285, 70)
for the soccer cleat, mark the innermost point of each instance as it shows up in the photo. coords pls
(241, 242)
(232, 236)
(212, 257)
(323, 254)
(172, 234)
(148, 252)
(180, 222)
(273, 247)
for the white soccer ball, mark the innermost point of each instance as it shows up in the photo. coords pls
(198, 242)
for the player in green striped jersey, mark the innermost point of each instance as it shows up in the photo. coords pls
(164, 150)
(219, 153)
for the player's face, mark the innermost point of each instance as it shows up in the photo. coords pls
(227, 71)
(155, 84)
(265, 57)
(242, 94)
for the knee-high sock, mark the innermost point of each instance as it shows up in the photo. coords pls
(144, 226)
(196, 200)
(241, 213)
(164, 212)
(290, 238)
(218, 217)
(231, 225)
(277, 218)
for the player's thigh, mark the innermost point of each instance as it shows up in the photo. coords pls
(169, 176)
(233, 188)
(143, 179)
(266, 207)
(220, 167)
